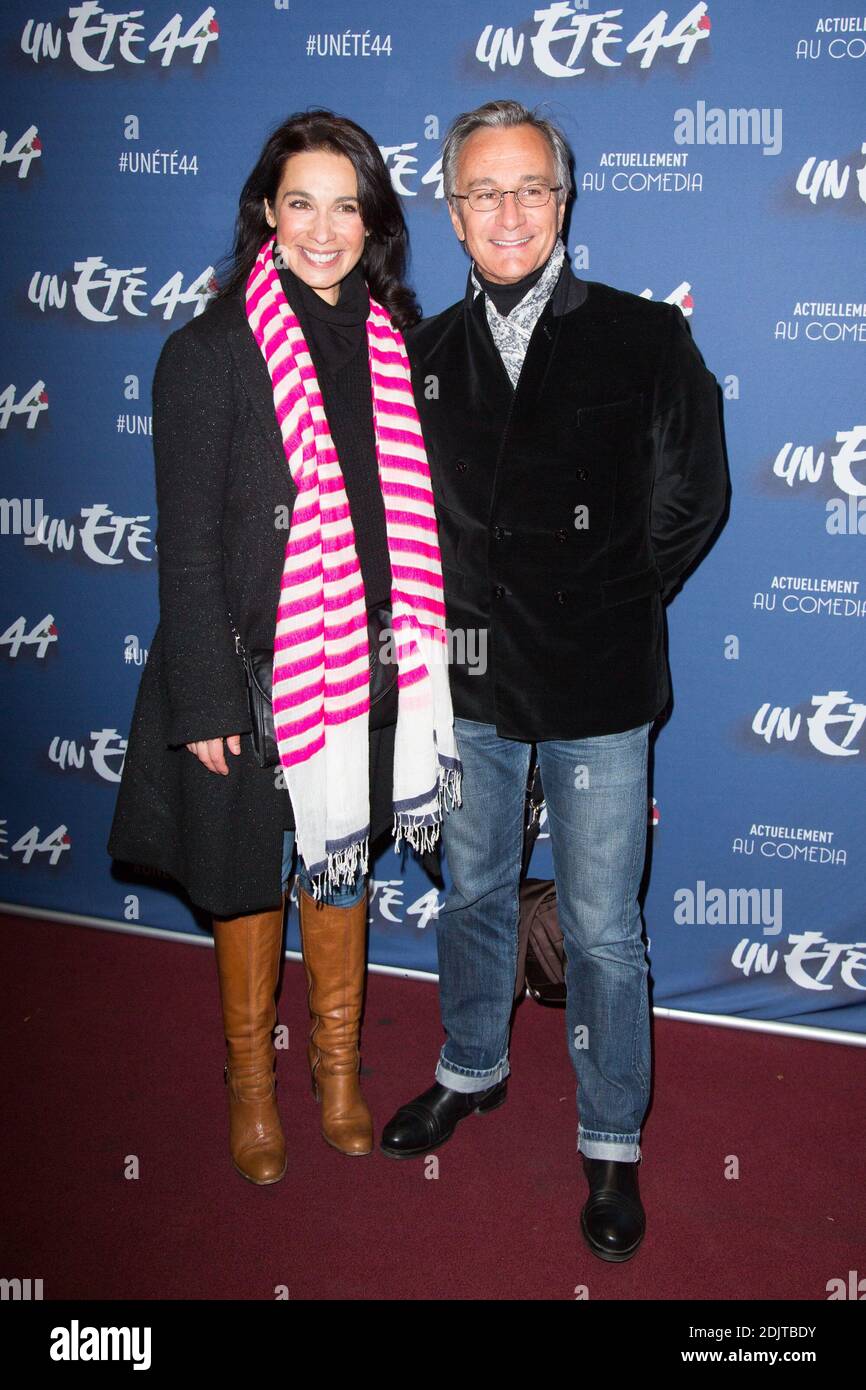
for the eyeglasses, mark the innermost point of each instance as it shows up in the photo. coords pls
(531, 195)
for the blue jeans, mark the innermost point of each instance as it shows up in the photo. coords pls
(596, 795)
(347, 895)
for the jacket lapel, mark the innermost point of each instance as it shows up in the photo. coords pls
(488, 382)
(486, 363)
(254, 374)
(539, 355)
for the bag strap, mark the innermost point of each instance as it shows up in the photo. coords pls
(381, 613)
(534, 804)
(239, 646)
(529, 898)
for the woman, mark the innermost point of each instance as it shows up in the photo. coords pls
(290, 397)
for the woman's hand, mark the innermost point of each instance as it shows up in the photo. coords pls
(210, 752)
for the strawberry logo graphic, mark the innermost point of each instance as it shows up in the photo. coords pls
(35, 143)
(213, 27)
(53, 630)
(687, 302)
(43, 397)
(66, 840)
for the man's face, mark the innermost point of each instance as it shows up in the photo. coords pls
(513, 240)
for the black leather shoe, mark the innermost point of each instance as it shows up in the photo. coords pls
(613, 1220)
(431, 1118)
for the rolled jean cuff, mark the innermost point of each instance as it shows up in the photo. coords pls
(466, 1080)
(596, 1143)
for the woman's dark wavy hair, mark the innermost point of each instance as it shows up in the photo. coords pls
(384, 260)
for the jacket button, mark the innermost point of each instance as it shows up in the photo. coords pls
(582, 474)
(498, 533)
(561, 536)
(460, 465)
(499, 591)
(560, 596)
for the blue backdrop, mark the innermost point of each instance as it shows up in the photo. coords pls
(721, 165)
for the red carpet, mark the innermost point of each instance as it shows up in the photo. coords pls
(112, 1047)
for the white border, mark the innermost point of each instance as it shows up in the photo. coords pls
(755, 1025)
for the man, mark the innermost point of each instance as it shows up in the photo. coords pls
(577, 463)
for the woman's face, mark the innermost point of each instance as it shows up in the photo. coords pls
(318, 219)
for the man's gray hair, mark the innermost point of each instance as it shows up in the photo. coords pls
(498, 115)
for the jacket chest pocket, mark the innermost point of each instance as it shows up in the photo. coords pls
(611, 426)
(613, 438)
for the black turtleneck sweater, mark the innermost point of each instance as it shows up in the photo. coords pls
(337, 338)
(505, 297)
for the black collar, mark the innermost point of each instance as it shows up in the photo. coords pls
(334, 332)
(569, 292)
(352, 306)
(507, 297)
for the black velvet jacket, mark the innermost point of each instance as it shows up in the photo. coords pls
(615, 412)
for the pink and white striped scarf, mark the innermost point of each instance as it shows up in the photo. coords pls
(321, 657)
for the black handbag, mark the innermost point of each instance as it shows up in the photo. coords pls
(259, 672)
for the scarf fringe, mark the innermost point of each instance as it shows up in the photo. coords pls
(342, 867)
(416, 827)
(451, 787)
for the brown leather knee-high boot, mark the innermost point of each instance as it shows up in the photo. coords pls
(248, 951)
(334, 942)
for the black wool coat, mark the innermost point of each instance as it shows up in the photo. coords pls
(224, 501)
(614, 412)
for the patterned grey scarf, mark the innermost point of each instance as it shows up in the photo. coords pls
(511, 333)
